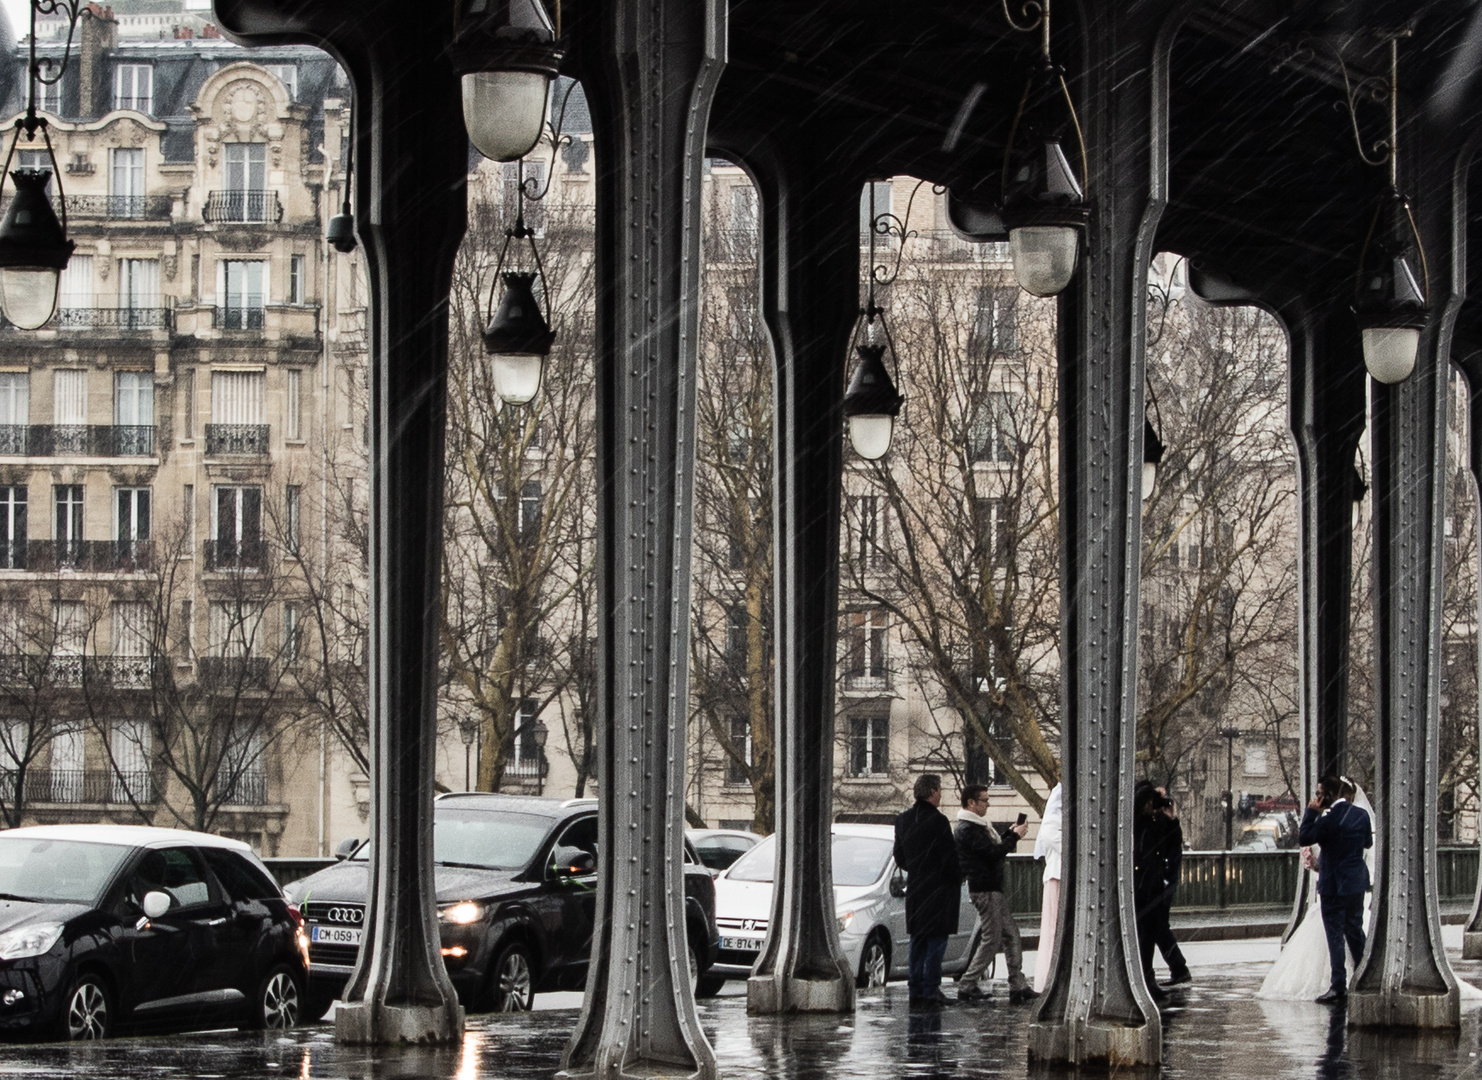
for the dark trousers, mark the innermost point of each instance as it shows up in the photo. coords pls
(1343, 920)
(924, 963)
(1173, 956)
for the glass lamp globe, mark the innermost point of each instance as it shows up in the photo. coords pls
(33, 252)
(28, 295)
(1389, 352)
(517, 376)
(870, 434)
(504, 111)
(1044, 257)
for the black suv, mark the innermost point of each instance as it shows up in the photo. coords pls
(516, 881)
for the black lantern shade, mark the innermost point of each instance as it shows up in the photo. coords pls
(34, 250)
(518, 339)
(1391, 303)
(1043, 202)
(341, 232)
(871, 403)
(506, 53)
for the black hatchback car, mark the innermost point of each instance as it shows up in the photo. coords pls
(104, 927)
(516, 893)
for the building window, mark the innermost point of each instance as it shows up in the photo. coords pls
(994, 434)
(133, 628)
(68, 535)
(244, 171)
(15, 411)
(139, 293)
(75, 290)
(527, 755)
(13, 527)
(866, 668)
(133, 412)
(1256, 763)
(236, 528)
(297, 287)
(133, 87)
(234, 627)
(49, 97)
(126, 182)
(738, 629)
(287, 74)
(743, 209)
(188, 517)
(292, 516)
(70, 622)
(290, 633)
(188, 424)
(67, 763)
(992, 525)
(293, 408)
(869, 745)
(131, 526)
(530, 509)
(738, 772)
(69, 411)
(242, 283)
(996, 326)
(129, 744)
(187, 628)
(238, 411)
(864, 525)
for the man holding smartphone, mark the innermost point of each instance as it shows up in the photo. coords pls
(982, 852)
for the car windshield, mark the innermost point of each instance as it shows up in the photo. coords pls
(858, 860)
(488, 839)
(57, 871)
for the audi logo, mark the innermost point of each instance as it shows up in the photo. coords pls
(344, 915)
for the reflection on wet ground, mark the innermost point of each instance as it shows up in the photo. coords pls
(1215, 1028)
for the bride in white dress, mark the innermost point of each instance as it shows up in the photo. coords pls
(1303, 970)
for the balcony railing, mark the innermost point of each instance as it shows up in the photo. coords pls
(520, 765)
(228, 439)
(95, 556)
(85, 786)
(223, 207)
(240, 318)
(862, 680)
(234, 672)
(121, 207)
(248, 789)
(236, 554)
(119, 672)
(83, 440)
(113, 318)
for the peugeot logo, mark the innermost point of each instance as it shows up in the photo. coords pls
(344, 914)
(748, 924)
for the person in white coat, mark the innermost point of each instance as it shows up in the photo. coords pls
(1047, 847)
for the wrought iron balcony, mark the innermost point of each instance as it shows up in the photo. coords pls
(240, 318)
(520, 765)
(223, 439)
(85, 786)
(113, 318)
(121, 207)
(250, 788)
(234, 672)
(119, 672)
(94, 556)
(236, 554)
(224, 207)
(83, 440)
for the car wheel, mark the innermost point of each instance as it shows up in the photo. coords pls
(279, 1003)
(87, 1010)
(694, 970)
(513, 979)
(874, 964)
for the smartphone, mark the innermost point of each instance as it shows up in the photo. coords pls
(1022, 819)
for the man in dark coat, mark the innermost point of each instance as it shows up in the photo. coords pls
(1157, 843)
(1343, 831)
(924, 849)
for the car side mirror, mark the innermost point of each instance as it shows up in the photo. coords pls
(156, 904)
(572, 862)
(898, 884)
(346, 847)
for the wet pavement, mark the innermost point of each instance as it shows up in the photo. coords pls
(1214, 1028)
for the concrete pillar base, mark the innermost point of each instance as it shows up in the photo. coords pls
(1405, 1009)
(766, 994)
(1471, 945)
(642, 1070)
(372, 1023)
(1099, 1043)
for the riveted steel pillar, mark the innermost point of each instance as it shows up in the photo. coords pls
(1326, 410)
(650, 67)
(810, 299)
(411, 220)
(1471, 947)
(1405, 979)
(1097, 1009)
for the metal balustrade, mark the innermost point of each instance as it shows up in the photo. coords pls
(118, 672)
(529, 767)
(236, 439)
(240, 318)
(113, 318)
(77, 440)
(72, 786)
(234, 672)
(235, 554)
(95, 556)
(248, 789)
(257, 207)
(121, 207)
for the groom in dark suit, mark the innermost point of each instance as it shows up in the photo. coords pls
(1343, 831)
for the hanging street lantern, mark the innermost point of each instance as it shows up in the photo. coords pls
(506, 52)
(871, 404)
(518, 339)
(1391, 303)
(34, 250)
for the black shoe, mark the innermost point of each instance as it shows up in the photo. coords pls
(972, 993)
(1178, 978)
(1018, 997)
(1333, 997)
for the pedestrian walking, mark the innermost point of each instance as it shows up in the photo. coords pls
(924, 849)
(1150, 836)
(981, 854)
(1173, 862)
(1047, 847)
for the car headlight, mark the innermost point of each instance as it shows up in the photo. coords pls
(845, 918)
(462, 914)
(29, 941)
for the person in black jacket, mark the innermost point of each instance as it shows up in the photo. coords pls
(981, 853)
(925, 851)
(1153, 835)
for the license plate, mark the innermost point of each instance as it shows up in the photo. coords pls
(335, 935)
(744, 944)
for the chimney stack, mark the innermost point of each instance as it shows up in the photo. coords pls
(97, 36)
